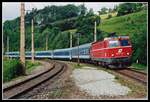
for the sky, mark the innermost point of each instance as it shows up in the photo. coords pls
(11, 10)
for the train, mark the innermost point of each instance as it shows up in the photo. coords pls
(112, 52)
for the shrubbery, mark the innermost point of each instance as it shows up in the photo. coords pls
(126, 8)
(11, 69)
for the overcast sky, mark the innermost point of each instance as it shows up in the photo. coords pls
(11, 10)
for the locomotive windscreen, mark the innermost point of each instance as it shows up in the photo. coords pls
(124, 42)
(114, 43)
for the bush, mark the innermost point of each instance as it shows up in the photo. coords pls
(126, 8)
(30, 66)
(11, 69)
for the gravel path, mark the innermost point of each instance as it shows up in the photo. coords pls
(98, 82)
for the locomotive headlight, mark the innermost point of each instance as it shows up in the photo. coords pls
(127, 53)
(112, 54)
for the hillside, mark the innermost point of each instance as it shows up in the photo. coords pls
(105, 16)
(127, 24)
(134, 25)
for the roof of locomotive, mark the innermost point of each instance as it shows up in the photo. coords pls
(118, 37)
(113, 38)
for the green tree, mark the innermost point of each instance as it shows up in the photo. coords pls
(110, 10)
(70, 11)
(97, 19)
(126, 8)
(85, 25)
(90, 13)
(115, 9)
(139, 6)
(104, 10)
(83, 9)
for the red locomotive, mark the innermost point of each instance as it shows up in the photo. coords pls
(112, 51)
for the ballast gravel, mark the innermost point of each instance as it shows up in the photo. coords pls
(98, 82)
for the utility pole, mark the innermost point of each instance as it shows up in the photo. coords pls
(3, 46)
(70, 45)
(78, 51)
(22, 39)
(7, 43)
(46, 41)
(95, 39)
(8, 46)
(32, 41)
(70, 40)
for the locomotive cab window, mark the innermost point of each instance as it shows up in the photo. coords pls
(124, 42)
(113, 43)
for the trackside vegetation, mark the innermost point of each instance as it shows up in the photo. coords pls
(30, 66)
(139, 67)
(12, 68)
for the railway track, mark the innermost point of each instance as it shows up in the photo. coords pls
(136, 75)
(22, 87)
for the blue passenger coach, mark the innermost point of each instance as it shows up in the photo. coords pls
(84, 51)
(67, 53)
(62, 53)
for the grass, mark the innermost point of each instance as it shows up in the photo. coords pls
(30, 66)
(76, 66)
(105, 16)
(139, 67)
(57, 93)
(12, 68)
